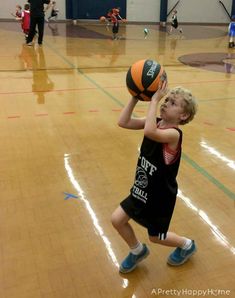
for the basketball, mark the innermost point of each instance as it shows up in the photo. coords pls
(102, 19)
(143, 79)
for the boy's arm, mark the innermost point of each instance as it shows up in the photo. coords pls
(126, 120)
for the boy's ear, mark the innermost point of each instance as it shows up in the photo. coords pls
(184, 116)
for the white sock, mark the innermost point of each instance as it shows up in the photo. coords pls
(187, 244)
(137, 249)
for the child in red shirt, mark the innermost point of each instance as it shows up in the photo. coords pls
(25, 20)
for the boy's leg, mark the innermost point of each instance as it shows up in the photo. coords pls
(139, 251)
(120, 222)
(170, 30)
(231, 42)
(172, 240)
(185, 248)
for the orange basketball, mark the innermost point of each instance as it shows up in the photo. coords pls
(144, 78)
(102, 19)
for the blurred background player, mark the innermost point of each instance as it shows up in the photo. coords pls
(54, 12)
(231, 32)
(174, 22)
(25, 20)
(18, 11)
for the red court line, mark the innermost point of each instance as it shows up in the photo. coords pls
(208, 123)
(108, 87)
(46, 91)
(13, 117)
(114, 110)
(40, 115)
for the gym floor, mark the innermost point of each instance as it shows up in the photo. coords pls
(66, 165)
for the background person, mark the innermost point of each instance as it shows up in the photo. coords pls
(36, 19)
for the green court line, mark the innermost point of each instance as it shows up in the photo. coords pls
(217, 183)
(101, 89)
(199, 169)
(87, 77)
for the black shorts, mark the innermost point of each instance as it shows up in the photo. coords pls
(115, 27)
(157, 225)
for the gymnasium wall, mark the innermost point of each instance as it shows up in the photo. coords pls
(189, 11)
(87, 10)
(8, 6)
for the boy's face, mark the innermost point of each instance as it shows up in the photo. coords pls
(172, 109)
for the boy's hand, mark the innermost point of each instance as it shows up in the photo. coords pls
(161, 92)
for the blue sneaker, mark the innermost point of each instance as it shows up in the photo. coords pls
(131, 261)
(179, 256)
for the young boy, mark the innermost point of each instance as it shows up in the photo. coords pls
(174, 22)
(25, 20)
(152, 198)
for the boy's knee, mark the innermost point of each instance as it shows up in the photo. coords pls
(119, 218)
(114, 220)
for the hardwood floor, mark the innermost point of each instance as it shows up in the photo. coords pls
(66, 165)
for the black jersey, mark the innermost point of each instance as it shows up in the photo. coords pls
(154, 178)
(37, 7)
(153, 195)
(174, 22)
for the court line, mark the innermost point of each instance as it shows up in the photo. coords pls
(216, 182)
(106, 87)
(199, 169)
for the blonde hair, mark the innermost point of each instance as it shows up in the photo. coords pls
(190, 103)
